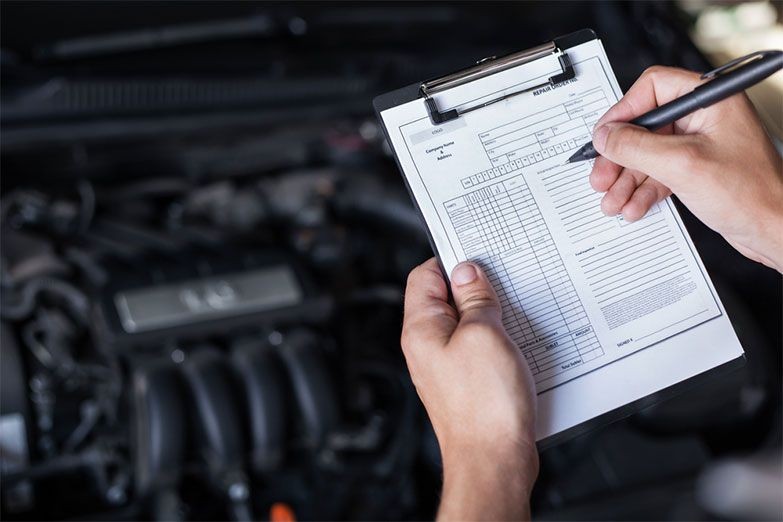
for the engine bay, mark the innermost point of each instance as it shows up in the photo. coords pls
(271, 345)
(205, 243)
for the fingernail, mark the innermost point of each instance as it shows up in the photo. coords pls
(599, 137)
(463, 274)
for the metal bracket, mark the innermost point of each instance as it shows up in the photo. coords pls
(487, 67)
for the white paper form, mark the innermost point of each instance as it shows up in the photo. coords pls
(594, 303)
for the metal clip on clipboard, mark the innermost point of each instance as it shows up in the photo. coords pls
(487, 67)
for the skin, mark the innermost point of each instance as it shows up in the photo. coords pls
(718, 161)
(474, 382)
(477, 390)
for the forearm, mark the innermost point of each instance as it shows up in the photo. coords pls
(488, 484)
(477, 390)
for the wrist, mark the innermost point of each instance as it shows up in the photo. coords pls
(511, 465)
(488, 482)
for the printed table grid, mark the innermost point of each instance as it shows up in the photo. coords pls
(539, 136)
(501, 227)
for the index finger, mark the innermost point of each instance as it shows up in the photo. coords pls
(657, 85)
(427, 309)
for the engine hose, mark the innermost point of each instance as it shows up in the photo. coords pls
(73, 298)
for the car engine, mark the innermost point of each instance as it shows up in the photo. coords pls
(264, 350)
(205, 243)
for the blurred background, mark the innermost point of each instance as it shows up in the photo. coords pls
(158, 156)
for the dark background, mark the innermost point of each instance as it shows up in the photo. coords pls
(145, 143)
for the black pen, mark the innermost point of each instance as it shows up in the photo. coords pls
(725, 81)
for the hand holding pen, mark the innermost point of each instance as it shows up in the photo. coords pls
(727, 80)
(718, 161)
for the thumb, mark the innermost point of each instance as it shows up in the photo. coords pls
(474, 296)
(660, 156)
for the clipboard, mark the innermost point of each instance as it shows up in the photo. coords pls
(558, 47)
(483, 67)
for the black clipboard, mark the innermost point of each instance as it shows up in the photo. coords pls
(560, 46)
(414, 91)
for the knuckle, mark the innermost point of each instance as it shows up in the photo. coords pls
(648, 195)
(621, 138)
(660, 75)
(609, 205)
(478, 300)
(426, 275)
(685, 74)
(635, 210)
(612, 138)
(413, 275)
(653, 71)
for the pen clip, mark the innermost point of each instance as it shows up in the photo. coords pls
(733, 64)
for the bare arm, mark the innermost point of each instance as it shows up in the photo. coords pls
(478, 392)
(488, 483)
(718, 161)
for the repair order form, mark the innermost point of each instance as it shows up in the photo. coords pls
(605, 311)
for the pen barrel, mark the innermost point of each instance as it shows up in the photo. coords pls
(711, 92)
